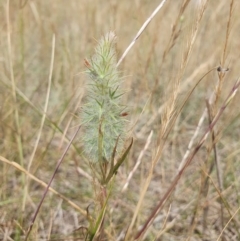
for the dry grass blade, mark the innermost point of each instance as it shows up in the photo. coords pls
(17, 166)
(173, 44)
(141, 31)
(42, 121)
(188, 162)
(224, 200)
(13, 85)
(49, 184)
(138, 161)
(220, 235)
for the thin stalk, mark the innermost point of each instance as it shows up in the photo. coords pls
(42, 120)
(146, 23)
(40, 182)
(189, 161)
(14, 95)
(49, 184)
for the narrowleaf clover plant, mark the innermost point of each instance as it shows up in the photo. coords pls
(102, 115)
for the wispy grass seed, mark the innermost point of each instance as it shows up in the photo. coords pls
(101, 115)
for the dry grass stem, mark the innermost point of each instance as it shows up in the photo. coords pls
(157, 157)
(141, 31)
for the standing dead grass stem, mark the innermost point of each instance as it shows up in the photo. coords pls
(179, 178)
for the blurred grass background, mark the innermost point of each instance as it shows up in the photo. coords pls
(150, 75)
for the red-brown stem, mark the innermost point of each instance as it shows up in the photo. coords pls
(49, 184)
(188, 162)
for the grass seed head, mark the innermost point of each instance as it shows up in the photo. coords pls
(102, 112)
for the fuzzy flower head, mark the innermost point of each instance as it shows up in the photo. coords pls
(101, 115)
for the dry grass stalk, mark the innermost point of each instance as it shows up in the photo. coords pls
(169, 82)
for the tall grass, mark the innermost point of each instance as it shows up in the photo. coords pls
(180, 179)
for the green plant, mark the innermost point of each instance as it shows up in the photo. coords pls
(102, 118)
(103, 121)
